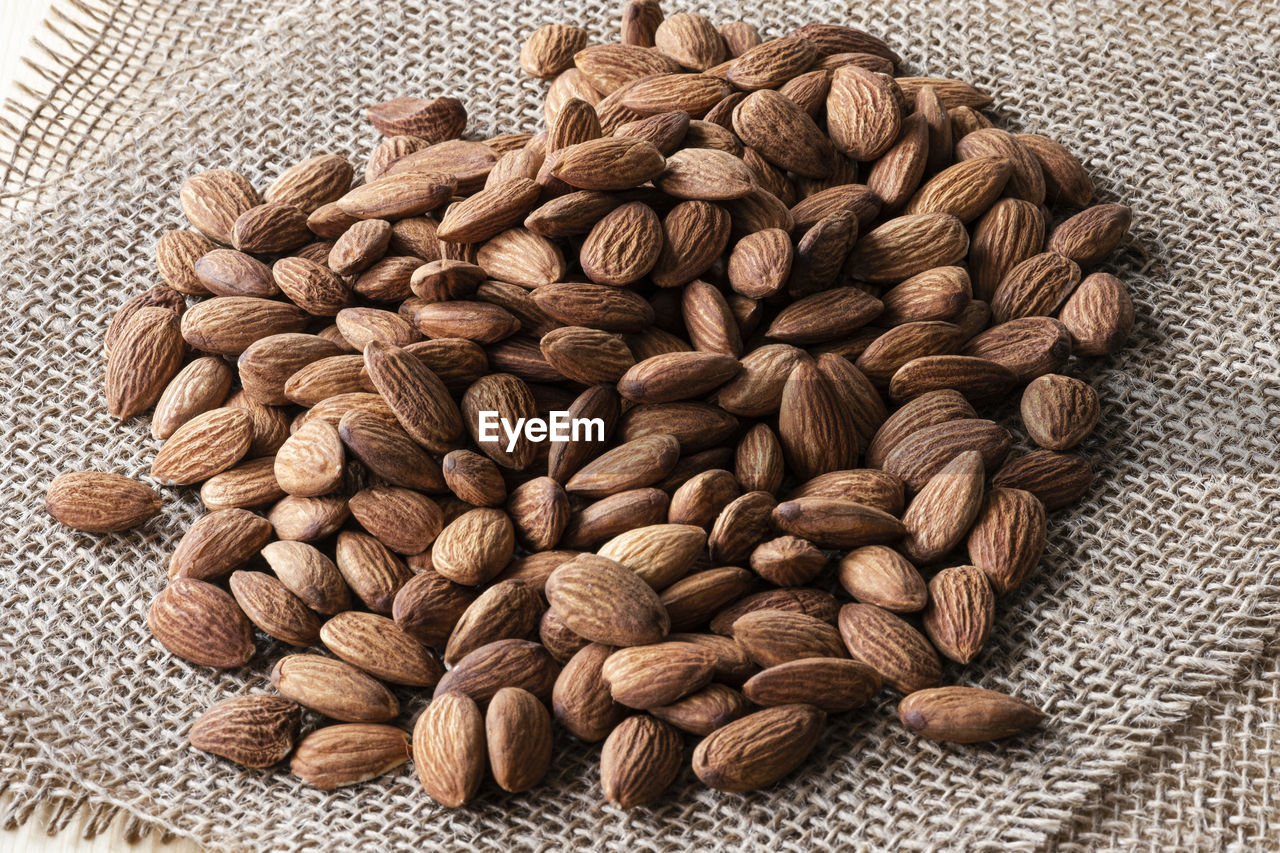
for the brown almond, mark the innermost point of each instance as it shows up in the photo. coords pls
(227, 325)
(1099, 315)
(631, 465)
(205, 445)
(641, 759)
(506, 610)
(474, 547)
(346, 754)
(213, 200)
(1010, 232)
(449, 749)
(758, 749)
(252, 731)
(99, 502)
(942, 512)
(961, 611)
(691, 40)
(380, 647)
(310, 575)
(200, 623)
(549, 50)
(144, 358)
(833, 685)
(505, 663)
(648, 676)
(889, 645)
(908, 245)
(605, 602)
(924, 452)
(1065, 179)
(275, 610)
(863, 117)
(429, 605)
(966, 714)
(581, 699)
(219, 543)
(518, 739)
(374, 574)
(1008, 538)
(1027, 180)
(1059, 411)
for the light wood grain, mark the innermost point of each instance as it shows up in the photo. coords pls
(19, 22)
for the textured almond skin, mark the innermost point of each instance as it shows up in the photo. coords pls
(309, 574)
(705, 710)
(635, 464)
(816, 433)
(885, 642)
(966, 190)
(518, 739)
(705, 174)
(581, 699)
(377, 439)
(863, 116)
(783, 134)
(549, 49)
(505, 663)
(1057, 479)
(1011, 231)
(252, 731)
(507, 610)
(374, 574)
(1098, 315)
(429, 605)
(275, 610)
(1065, 179)
(310, 285)
(227, 325)
(200, 623)
(908, 245)
(1092, 234)
(177, 251)
(311, 462)
(333, 688)
(961, 611)
(607, 603)
(758, 749)
(741, 525)
(941, 513)
(99, 502)
(867, 486)
(382, 648)
(623, 246)
(157, 297)
(449, 749)
(474, 547)
(1027, 180)
(1028, 346)
(1007, 540)
(434, 120)
(213, 200)
(876, 574)
(829, 684)
(1059, 411)
(640, 760)
(773, 637)
(772, 63)
(346, 754)
(978, 379)
(926, 451)
(200, 386)
(648, 676)
(691, 40)
(270, 228)
(659, 554)
(966, 714)
(1035, 287)
(405, 521)
(218, 543)
(836, 522)
(145, 356)
(417, 396)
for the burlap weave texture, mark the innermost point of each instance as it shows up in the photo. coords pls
(1145, 633)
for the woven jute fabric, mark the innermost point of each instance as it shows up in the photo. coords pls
(1146, 633)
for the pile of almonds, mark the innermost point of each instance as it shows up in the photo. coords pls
(782, 281)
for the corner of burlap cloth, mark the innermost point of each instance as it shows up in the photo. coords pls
(1145, 633)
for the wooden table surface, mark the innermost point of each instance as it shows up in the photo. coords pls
(19, 22)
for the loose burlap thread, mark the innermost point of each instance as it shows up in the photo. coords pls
(1146, 633)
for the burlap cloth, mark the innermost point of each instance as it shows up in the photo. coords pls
(1146, 634)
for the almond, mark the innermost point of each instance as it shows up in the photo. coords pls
(1007, 540)
(203, 446)
(507, 610)
(144, 358)
(605, 602)
(275, 610)
(549, 50)
(252, 731)
(886, 643)
(99, 502)
(966, 714)
(200, 623)
(907, 246)
(381, 648)
(875, 574)
(863, 117)
(832, 685)
(474, 547)
(349, 753)
(434, 120)
(212, 201)
(1058, 411)
(374, 574)
(1099, 315)
(449, 749)
(309, 574)
(758, 749)
(1057, 479)
(942, 512)
(518, 739)
(641, 759)
(773, 637)
(505, 663)
(961, 611)
(581, 698)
